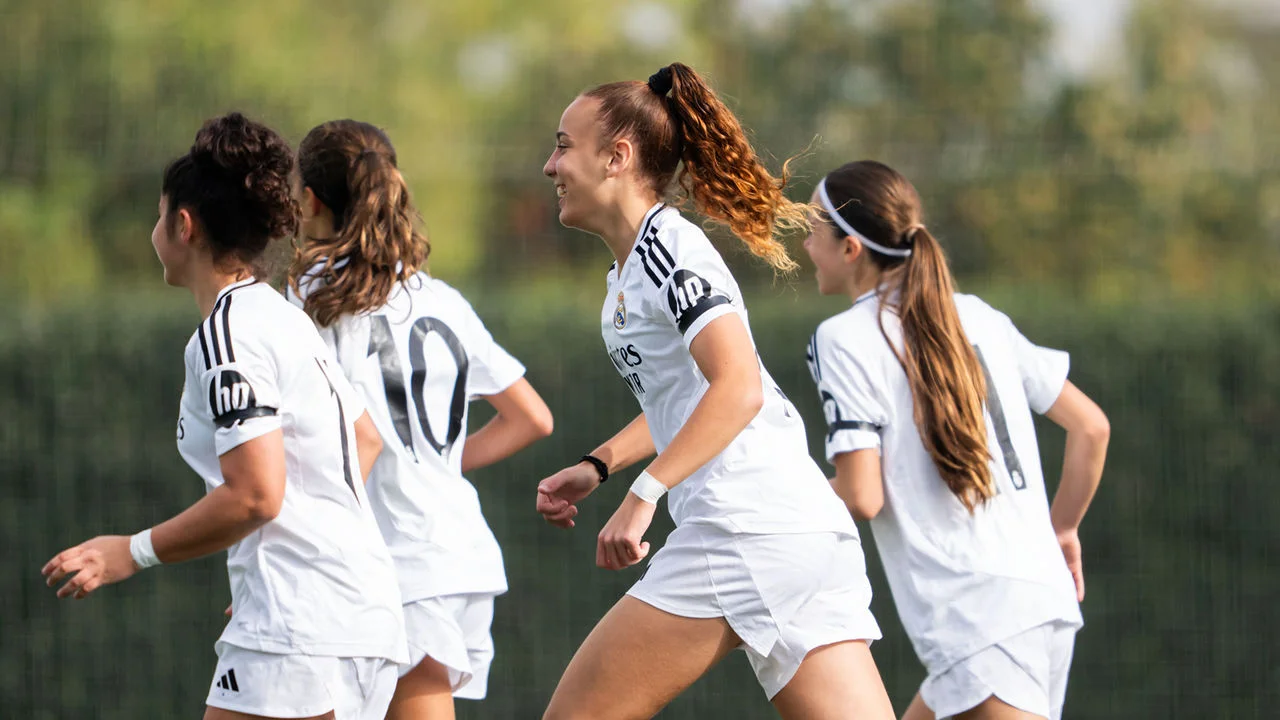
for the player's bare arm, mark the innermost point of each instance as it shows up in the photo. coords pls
(250, 498)
(559, 494)
(522, 418)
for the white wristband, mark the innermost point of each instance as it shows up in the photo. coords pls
(647, 488)
(143, 552)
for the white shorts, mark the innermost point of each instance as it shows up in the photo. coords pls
(453, 630)
(1027, 671)
(301, 686)
(784, 595)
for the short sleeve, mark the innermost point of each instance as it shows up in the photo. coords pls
(491, 368)
(695, 291)
(1044, 371)
(310, 281)
(852, 408)
(241, 392)
(294, 298)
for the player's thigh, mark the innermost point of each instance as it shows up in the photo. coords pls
(423, 693)
(212, 713)
(636, 660)
(917, 710)
(836, 682)
(429, 676)
(993, 708)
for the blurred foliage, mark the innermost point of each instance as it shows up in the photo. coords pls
(1156, 174)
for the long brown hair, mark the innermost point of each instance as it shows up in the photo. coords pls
(677, 118)
(946, 379)
(351, 168)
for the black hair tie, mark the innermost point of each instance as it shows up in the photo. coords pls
(660, 82)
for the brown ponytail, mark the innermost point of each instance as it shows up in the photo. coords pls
(721, 172)
(947, 382)
(351, 168)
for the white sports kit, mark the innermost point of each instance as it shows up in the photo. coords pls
(316, 622)
(417, 362)
(987, 599)
(760, 538)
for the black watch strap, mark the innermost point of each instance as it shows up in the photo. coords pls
(598, 464)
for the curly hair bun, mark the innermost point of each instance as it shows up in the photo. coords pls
(256, 160)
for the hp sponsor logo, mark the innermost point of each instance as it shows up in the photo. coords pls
(230, 397)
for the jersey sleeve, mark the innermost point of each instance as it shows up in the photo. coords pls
(694, 285)
(309, 282)
(294, 298)
(491, 369)
(852, 408)
(239, 382)
(1044, 371)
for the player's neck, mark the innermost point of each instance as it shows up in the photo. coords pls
(620, 231)
(862, 282)
(206, 287)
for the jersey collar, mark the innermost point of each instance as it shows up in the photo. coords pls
(646, 226)
(233, 286)
(650, 220)
(890, 297)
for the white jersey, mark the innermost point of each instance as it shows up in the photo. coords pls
(671, 286)
(316, 580)
(961, 582)
(418, 362)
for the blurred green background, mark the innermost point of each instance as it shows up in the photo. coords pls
(1106, 172)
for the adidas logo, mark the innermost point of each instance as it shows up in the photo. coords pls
(228, 681)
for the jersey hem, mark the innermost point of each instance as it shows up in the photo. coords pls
(948, 660)
(327, 649)
(787, 528)
(705, 319)
(417, 594)
(1061, 375)
(505, 383)
(248, 430)
(852, 441)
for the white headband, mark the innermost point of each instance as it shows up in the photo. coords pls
(848, 229)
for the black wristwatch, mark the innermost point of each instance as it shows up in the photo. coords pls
(598, 464)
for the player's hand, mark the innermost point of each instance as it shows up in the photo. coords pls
(227, 612)
(558, 494)
(621, 543)
(1069, 541)
(90, 565)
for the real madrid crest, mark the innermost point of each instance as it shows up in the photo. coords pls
(620, 313)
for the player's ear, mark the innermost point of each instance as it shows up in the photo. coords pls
(185, 226)
(311, 204)
(851, 249)
(621, 156)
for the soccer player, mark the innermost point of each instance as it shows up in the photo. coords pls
(763, 555)
(417, 354)
(283, 445)
(928, 398)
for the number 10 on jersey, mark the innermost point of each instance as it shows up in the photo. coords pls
(382, 344)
